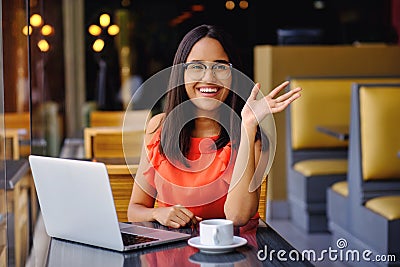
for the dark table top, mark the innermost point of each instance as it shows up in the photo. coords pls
(261, 250)
(340, 132)
(11, 171)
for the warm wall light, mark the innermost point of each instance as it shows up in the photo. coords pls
(36, 20)
(230, 5)
(113, 30)
(42, 32)
(319, 4)
(101, 32)
(43, 45)
(25, 30)
(125, 3)
(197, 8)
(47, 30)
(94, 30)
(243, 4)
(98, 45)
(104, 20)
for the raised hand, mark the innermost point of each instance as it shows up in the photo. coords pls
(256, 110)
(281, 102)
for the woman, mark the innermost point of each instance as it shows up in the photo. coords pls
(205, 129)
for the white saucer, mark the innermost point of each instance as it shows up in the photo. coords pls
(237, 242)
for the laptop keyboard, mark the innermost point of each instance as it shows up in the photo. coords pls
(132, 239)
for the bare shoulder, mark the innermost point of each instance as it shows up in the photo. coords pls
(152, 126)
(154, 123)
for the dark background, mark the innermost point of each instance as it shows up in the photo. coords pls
(156, 37)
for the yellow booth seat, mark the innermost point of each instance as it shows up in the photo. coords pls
(387, 206)
(341, 188)
(316, 167)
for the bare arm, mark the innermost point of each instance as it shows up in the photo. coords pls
(241, 203)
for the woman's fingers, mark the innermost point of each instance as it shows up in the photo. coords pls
(280, 106)
(289, 98)
(175, 216)
(281, 102)
(254, 91)
(190, 215)
(183, 215)
(289, 95)
(178, 219)
(173, 224)
(255, 110)
(277, 89)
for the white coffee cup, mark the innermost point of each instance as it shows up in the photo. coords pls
(216, 232)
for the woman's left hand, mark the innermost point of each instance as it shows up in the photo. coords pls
(256, 110)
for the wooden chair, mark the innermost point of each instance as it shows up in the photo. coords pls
(16, 175)
(107, 139)
(121, 180)
(367, 207)
(9, 143)
(17, 131)
(111, 123)
(118, 144)
(19, 123)
(262, 205)
(117, 118)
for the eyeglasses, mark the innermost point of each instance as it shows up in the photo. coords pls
(197, 70)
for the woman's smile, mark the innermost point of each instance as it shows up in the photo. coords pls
(208, 91)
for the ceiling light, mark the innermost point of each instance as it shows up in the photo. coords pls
(243, 4)
(105, 20)
(98, 45)
(36, 20)
(113, 30)
(230, 5)
(43, 45)
(25, 30)
(94, 30)
(47, 30)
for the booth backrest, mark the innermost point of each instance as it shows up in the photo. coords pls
(374, 168)
(380, 132)
(324, 101)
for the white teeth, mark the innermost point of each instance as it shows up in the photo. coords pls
(208, 90)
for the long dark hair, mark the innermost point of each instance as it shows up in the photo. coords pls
(177, 95)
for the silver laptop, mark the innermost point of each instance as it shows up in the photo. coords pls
(77, 204)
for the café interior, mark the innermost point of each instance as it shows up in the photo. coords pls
(70, 70)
